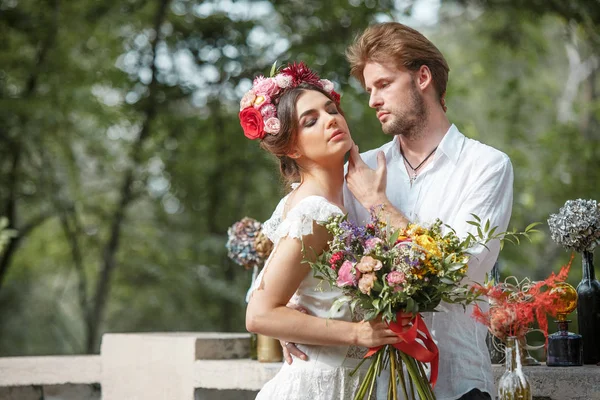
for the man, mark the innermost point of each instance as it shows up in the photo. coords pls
(429, 170)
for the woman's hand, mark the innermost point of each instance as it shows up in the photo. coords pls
(376, 332)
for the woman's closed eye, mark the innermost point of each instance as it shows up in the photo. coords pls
(308, 122)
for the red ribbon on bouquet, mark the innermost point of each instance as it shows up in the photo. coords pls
(425, 352)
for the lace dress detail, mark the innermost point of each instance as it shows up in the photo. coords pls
(357, 352)
(326, 373)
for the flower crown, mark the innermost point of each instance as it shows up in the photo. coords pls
(258, 111)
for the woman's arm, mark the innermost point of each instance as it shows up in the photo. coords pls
(267, 313)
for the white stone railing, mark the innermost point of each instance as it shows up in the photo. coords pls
(194, 366)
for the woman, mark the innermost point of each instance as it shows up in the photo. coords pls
(297, 118)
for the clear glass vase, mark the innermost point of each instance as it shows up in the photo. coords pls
(514, 384)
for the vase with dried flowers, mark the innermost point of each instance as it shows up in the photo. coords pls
(513, 308)
(576, 227)
(249, 247)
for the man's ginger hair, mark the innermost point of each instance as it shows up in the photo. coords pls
(402, 45)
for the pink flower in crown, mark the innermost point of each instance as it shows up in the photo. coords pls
(261, 100)
(346, 277)
(257, 80)
(396, 278)
(247, 100)
(268, 111)
(283, 80)
(266, 86)
(327, 85)
(272, 126)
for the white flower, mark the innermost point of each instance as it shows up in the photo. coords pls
(283, 80)
(247, 100)
(577, 225)
(327, 85)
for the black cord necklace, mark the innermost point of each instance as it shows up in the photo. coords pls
(415, 169)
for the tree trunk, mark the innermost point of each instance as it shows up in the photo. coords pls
(11, 205)
(109, 261)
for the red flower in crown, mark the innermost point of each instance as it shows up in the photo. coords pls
(252, 123)
(300, 73)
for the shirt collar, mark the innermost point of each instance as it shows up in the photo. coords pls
(451, 145)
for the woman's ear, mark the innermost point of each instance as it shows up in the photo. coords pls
(294, 155)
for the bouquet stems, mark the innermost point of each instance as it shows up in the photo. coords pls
(397, 362)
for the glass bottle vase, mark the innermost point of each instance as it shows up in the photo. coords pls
(588, 310)
(514, 384)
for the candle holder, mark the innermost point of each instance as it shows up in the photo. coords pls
(268, 349)
(565, 349)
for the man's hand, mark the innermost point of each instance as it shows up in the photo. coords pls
(367, 185)
(289, 348)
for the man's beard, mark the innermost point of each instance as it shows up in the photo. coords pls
(409, 123)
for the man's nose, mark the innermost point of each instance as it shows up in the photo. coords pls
(375, 100)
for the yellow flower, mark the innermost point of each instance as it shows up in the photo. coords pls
(259, 100)
(429, 244)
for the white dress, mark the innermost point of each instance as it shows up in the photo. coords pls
(326, 373)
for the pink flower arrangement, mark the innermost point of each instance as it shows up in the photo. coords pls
(265, 93)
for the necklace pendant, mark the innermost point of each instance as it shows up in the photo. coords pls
(413, 179)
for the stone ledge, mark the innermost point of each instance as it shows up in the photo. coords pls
(555, 383)
(242, 374)
(561, 383)
(49, 370)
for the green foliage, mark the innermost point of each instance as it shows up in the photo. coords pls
(118, 124)
(5, 233)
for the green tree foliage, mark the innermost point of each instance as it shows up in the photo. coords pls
(122, 163)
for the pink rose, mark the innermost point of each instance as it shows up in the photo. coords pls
(346, 277)
(266, 86)
(272, 126)
(366, 283)
(268, 111)
(395, 278)
(247, 100)
(368, 264)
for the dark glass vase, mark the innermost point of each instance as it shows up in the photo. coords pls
(588, 310)
(565, 349)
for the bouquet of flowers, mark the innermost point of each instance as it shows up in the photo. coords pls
(576, 226)
(248, 246)
(387, 272)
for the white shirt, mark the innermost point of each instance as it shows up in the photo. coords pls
(465, 177)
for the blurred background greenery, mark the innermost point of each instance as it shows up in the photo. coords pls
(122, 162)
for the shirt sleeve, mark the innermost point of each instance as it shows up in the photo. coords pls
(490, 198)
